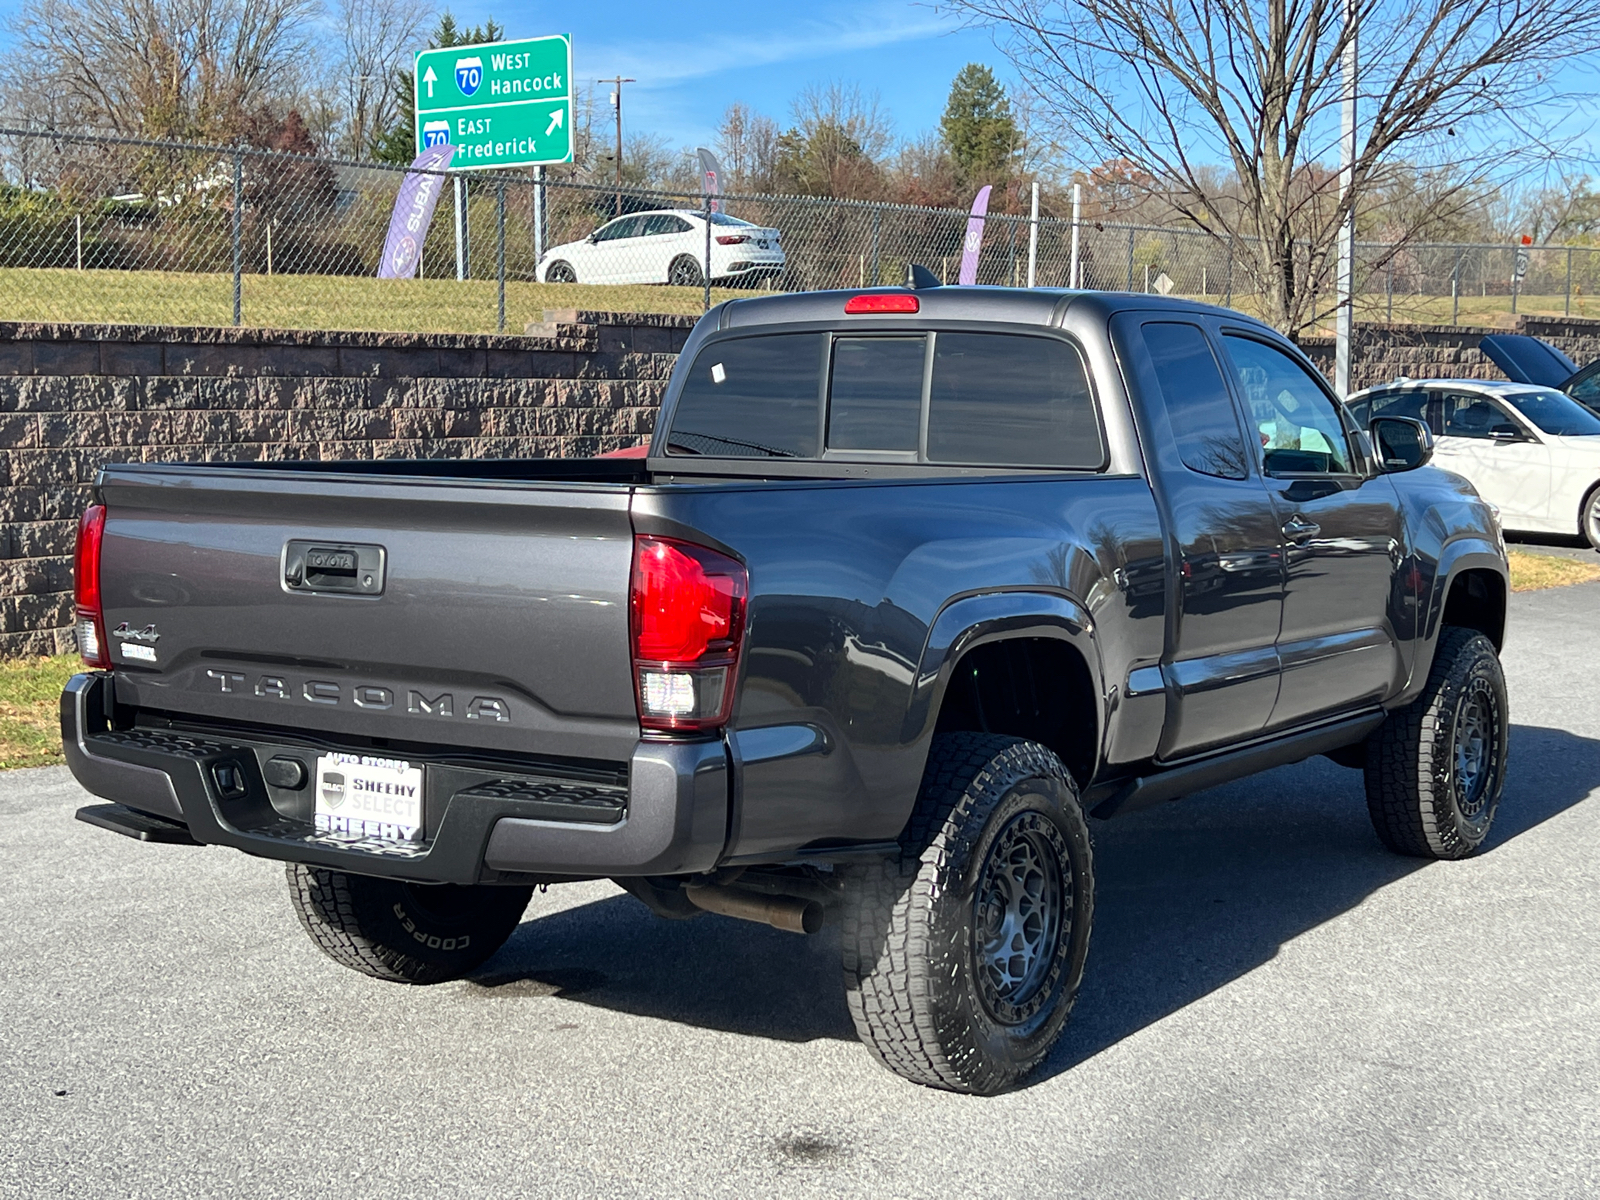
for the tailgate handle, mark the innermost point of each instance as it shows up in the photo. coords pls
(337, 567)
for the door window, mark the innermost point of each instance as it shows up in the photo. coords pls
(659, 223)
(1472, 415)
(1412, 403)
(1204, 422)
(1300, 429)
(1585, 388)
(625, 228)
(875, 401)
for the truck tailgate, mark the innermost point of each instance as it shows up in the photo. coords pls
(496, 620)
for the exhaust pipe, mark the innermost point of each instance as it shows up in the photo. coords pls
(789, 913)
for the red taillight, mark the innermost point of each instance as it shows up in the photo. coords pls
(687, 616)
(882, 302)
(86, 588)
(732, 239)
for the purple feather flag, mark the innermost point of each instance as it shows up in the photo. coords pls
(974, 241)
(413, 211)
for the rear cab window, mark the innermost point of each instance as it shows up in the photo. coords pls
(951, 398)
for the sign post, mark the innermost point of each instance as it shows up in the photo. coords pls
(1519, 269)
(504, 104)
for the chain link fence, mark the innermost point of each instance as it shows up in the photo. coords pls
(102, 229)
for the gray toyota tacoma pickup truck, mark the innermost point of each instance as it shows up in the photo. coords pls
(909, 585)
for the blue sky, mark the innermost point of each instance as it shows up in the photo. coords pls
(691, 69)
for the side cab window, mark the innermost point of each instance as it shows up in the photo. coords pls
(1298, 424)
(1205, 424)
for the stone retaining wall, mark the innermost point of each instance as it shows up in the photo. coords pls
(74, 397)
(1385, 352)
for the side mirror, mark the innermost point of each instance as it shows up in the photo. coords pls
(593, 237)
(1507, 433)
(1403, 444)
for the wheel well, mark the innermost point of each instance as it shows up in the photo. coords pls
(1034, 688)
(1583, 510)
(1477, 600)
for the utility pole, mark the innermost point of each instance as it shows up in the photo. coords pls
(1344, 318)
(616, 83)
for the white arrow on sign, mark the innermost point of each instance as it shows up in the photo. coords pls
(430, 79)
(555, 121)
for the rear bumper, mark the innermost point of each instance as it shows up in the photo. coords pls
(671, 816)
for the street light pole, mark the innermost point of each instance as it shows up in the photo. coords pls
(616, 83)
(1344, 318)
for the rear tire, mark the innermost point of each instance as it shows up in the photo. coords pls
(1436, 768)
(403, 932)
(560, 272)
(685, 272)
(962, 957)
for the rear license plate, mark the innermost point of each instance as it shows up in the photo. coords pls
(368, 797)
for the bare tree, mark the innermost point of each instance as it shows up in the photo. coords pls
(163, 68)
(377, 38)
(747, 143)
(1171, 87)
(837, 144)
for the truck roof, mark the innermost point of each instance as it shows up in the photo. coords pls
(1022, 306)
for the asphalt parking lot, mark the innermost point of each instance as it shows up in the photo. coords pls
(1274, 1007)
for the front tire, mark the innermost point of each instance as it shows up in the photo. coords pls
(560, 272)
(962, 957)
(1436, 768)
(1589, 519)
(685, 272)
(403, 932)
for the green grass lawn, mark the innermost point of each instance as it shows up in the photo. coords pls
(448, 306)
(30, 704)
(317, 301)
(1492, 311)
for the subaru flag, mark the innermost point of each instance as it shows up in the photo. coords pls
(710, 176)
(413, 210)
(974, 240)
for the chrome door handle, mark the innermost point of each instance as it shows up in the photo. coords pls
(1298, 529)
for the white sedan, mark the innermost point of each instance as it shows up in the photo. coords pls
(1532, 451)
(666, 246)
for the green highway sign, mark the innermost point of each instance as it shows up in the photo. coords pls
(505, 104)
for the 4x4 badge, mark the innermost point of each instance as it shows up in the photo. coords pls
(147, 634)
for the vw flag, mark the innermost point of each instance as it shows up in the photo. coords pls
(974, 240)
(413, 211)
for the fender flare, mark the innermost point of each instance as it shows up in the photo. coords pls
(1463, 554)
(975, 620)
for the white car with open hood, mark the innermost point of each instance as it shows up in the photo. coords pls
(667, 246)
(1532, 451)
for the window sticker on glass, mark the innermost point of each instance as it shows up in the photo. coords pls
(719, 373)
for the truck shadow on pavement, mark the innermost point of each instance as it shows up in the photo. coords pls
(1191, 896)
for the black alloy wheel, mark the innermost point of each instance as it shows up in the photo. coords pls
(685, 272)
(963, 955)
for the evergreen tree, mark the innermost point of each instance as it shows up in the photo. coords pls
(398, 143)
(978, 127)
